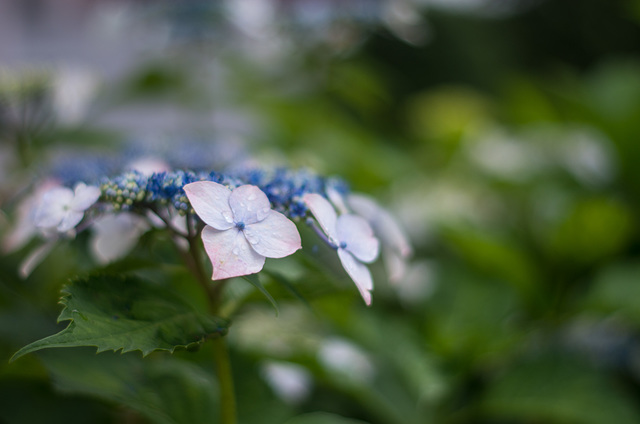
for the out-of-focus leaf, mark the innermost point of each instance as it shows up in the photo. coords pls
(322, 418)
(592, 230)
(127, 313)
(447, 113)
(616, 289)
(473, 318)
(254, 281)
(559, 390)
(33, 401)
(496, 257)
(164, 389)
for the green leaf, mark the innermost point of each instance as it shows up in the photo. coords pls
(288, 285)
(164, 389)
(322, 418)
(559, 390)
(127, 313)
(253, 279)
(616, 290)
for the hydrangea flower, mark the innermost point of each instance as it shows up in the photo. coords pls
(241, 228)
(396, 249)
(353, 239)
(62, 208)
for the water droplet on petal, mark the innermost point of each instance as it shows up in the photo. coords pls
(251, 238)
(227, 216)
(251, 197)
(235, 251)
(263, 213)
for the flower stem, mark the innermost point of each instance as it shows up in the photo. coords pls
(220, 350)
(225, 379)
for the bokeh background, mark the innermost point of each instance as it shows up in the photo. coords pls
(502, 134)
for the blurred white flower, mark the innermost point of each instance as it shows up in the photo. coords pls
(351, 236)
(148, 165)
(114, 235)
(345, 359)
(588, 155)
(62, 208)
(418, 283)
(24, 227)
(504, 156)
(445, 202)
(395, 244)
(291, 382)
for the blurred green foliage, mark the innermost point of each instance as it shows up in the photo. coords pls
(507, 148)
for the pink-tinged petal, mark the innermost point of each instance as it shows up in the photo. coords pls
(211, 202)
(51, 208)
(230, 253)
(70, 220)
(249, 204)
(274, 237)
(359, 273)
(356, 232)
(84, 197)
(383, 223)
(324, 213)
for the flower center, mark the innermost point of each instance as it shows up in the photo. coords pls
(240, 225)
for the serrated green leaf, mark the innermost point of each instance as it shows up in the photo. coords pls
(127, 314)
(253, 279)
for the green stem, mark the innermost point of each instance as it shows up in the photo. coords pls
(225, 379)
(220, 351)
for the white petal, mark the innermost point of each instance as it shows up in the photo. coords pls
(383, 223)
(274, 237)
(249, 204)
(51, 208)
(230, 253)
(24, 228)
(323, 212)
(359, 273)
(36, 257)
(84, 197)
(70, 220)
(211, 202)
(356, 232)
(115, 235)
(338, 201)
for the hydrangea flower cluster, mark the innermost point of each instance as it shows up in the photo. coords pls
(245, 216)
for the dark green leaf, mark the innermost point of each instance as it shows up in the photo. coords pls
(127, 313)
(164, 389)
(253, 279)
(558, 389)
(322, 418)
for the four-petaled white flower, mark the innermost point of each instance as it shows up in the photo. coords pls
(353, 239)
(242, 229)
(62, 208)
